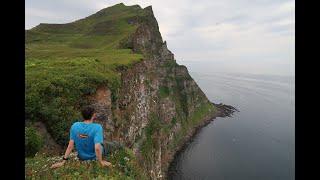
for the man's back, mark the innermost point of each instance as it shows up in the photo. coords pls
(85, 136)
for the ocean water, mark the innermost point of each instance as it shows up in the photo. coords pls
(257, 143)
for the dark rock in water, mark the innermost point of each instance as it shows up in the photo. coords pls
(225, 110)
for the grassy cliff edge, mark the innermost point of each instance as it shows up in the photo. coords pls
(150, 103)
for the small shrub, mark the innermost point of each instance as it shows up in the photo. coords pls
(151, 133)
(33, 141)
(164, 91)
(173, 121)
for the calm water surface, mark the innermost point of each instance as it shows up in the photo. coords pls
(257, 143)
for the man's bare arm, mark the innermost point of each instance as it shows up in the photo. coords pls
(66, 155)
(98, 150)
(69, 149)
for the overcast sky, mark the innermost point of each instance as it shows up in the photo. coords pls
(251, 36)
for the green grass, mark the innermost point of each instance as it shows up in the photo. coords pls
(193, 121)
(151, 132)
(55, 86)
(33, 141)
(65, 62)
(102, 29)
(198, 116)
(124, 166)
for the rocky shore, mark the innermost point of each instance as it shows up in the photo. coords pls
(223, 110)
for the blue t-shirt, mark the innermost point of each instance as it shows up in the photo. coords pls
(85, 136)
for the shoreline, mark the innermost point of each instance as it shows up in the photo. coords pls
(222, 111)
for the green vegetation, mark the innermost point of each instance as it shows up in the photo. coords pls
(170, 65)
(182, 98)
(198, 116)
(124, 166)
(33, 141)
(192, 122)
(65, 62)
(164, 91)
(173, 121)
(151, 134)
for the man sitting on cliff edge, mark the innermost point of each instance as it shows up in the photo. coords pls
(88, 139)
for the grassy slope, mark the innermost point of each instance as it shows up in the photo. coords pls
(124, 166)
(65, 62)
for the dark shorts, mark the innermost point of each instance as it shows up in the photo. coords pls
(110, 146)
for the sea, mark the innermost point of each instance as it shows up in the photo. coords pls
(256, 143)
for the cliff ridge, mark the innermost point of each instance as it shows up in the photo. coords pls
(117, 61)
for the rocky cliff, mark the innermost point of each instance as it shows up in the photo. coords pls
(157, 105)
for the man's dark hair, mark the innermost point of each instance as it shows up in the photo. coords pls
(87, 112)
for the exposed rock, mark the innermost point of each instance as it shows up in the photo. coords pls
(225, 110)
(49, 146)
(155, 87)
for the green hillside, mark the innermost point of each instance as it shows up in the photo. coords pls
(66, 61)
(153, 109)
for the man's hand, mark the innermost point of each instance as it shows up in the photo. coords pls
(58, 164)
(67, 153)
(104, 163)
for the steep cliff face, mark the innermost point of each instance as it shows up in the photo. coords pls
(151, 105)
(158, 103)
